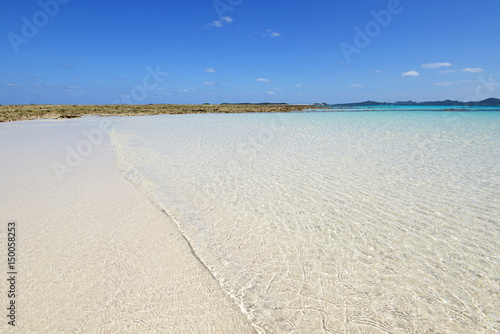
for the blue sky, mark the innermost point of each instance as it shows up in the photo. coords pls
(192, 51)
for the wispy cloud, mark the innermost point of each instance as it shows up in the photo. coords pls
(298, 85)
(268, 33)
(378, 71)
(66, 66)
(473, 70)
(209, 83)
(209, 70)
(356, 85)
(14, 85)
(33, 76)
(448, 83)
(436, 65)
(248, 92)
(271, 92)
(468, 69)
(263, 80)
(220, 23)
(173, 90)
(410, 74)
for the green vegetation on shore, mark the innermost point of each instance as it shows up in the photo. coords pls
(28, 112)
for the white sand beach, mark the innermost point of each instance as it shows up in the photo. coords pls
(93, 254)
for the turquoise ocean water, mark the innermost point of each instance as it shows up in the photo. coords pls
(380, 221)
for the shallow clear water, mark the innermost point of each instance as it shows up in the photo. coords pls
(414, 108)
(377, 222)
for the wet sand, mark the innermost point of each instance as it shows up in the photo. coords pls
(93, 254)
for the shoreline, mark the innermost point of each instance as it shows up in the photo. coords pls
(95, 255)
(11, 113)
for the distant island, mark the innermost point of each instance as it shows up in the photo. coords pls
(487, 102)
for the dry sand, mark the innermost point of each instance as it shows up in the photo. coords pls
(93, 254)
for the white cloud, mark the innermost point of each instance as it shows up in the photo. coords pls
(378, 71)
(273, 33)
(208, 83)
(436, 65)
(13, 85)
(263, 80)
(220, 23)
(356, 85)
(271, 92)
(410, 74)
(268, 33)
(298, 85)
(448, 71)
(209, 70)
(473, 70)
